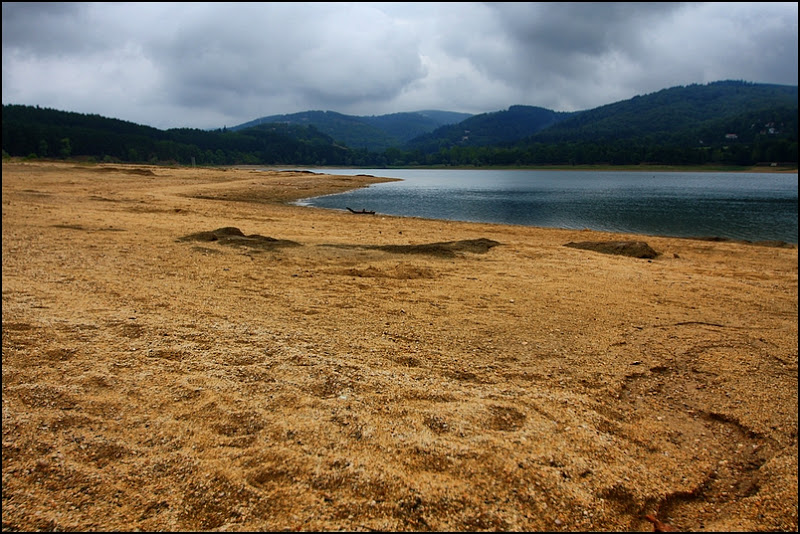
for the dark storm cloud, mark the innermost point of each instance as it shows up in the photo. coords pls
(48, 28)
(310, 54)
(579, 28)
(564, 54)
(212, 64)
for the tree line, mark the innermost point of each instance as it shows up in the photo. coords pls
(33, 132)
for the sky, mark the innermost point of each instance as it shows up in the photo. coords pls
(210, 65)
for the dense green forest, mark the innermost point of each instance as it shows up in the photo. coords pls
(499, 127)
(722, 123)
(46, 133)
(371, 133)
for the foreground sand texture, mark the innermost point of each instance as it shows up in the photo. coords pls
(322, 370)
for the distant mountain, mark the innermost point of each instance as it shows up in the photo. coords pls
(721, 123)
(35, 132)
(407, 126)
(684, 114)
(372, 133)
(499, 127)
(679, 115)
(445, 117)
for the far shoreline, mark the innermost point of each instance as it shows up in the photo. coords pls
(784, 168)
(599, 168)
(297, 202)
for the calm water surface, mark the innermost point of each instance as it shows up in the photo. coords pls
(751, 206)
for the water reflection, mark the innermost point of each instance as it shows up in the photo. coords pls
(751, 206)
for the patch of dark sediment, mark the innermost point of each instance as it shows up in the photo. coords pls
(766, 243)
(140, 172)
(445, 249)
(400, 272)
(634, 249)
(232, 236)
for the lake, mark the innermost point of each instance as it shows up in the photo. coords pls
(749, 206)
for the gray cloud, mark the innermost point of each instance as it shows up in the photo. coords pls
(311, 53)
(211, 64)
(47, 28)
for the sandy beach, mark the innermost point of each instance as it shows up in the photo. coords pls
(183, 350)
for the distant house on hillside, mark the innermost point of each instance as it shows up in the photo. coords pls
(731, 136)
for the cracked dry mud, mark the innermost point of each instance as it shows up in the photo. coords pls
(330, 371)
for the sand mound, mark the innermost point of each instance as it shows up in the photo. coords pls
(634, 249)
(447, 249)
(232, 236)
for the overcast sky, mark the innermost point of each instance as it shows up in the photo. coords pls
(208, 65)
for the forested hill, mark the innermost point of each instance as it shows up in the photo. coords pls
(40, 132)
(499, 127)
(728, 123)
(682, 114)
(372, 133)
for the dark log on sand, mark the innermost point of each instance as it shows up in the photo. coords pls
(365, 212)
